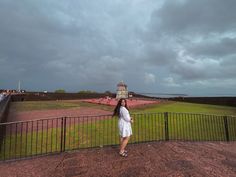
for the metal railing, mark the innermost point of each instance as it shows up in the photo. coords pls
(47, 136)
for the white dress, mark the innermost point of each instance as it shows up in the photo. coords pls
(124, 124)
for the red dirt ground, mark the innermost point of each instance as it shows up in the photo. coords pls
(74, 112)
(159, 159)
(131, 102)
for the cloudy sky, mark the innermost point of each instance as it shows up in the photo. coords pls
(157, 46)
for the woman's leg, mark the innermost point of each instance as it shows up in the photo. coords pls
(121, 141)
(124, 143)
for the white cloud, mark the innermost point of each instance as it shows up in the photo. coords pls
(149, 78)
(169, 81)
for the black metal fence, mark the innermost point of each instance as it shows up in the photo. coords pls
(46, 136)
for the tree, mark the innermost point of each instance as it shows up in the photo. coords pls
(86, 91)
(60, 91)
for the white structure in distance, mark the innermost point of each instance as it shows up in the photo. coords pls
(122, 90)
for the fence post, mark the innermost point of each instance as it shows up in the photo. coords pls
(62, 132)
(166, 126)
(226, 128)
(64, 143)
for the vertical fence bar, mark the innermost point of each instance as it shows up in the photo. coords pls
(74, 139)
(157, 126)
(152, 130)
(47, 138)
(196, 119)
(21, 138)
(15, 140)
(31, 138)
(226, 128)
(181, 127)
(190, 120)
(145, 127)
(77, 131)
(64, 135)
(26, 141)
(204, 127)
(220, 123)
(52, 128)
(62, 129)
(95, 129)
(95, 133)
(166, 126)
(4, 143)
(56, 133)
(69, 130)
(215, 128)
(138, 120)
(42, 137)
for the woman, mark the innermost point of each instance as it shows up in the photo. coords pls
(124, 125)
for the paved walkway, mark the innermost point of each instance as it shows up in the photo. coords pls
(162, 159)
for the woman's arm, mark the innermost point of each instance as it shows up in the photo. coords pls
(124, 113)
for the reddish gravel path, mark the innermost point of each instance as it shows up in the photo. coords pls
(164, 159)
(74, 112)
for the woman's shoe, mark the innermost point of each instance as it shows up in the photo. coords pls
(123, 154)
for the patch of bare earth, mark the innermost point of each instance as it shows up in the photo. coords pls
(41, 114)
(162, 159)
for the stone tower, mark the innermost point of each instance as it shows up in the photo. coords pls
(122, 90)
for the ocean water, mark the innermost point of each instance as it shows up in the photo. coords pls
(166, 95)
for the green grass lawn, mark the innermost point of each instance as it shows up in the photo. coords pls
(40, 105)
(172, 106)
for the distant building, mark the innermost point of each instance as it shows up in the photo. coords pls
(122, 90)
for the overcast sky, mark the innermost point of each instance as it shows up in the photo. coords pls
(157, 46)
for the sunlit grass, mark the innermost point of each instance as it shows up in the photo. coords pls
(179, 107)
(40, 105)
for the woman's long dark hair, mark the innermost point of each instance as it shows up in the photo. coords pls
(117, 108)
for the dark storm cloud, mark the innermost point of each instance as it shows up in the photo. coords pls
(42, 40)
(217, 49)
(203, 37)
(196, 16)
(151, 45)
